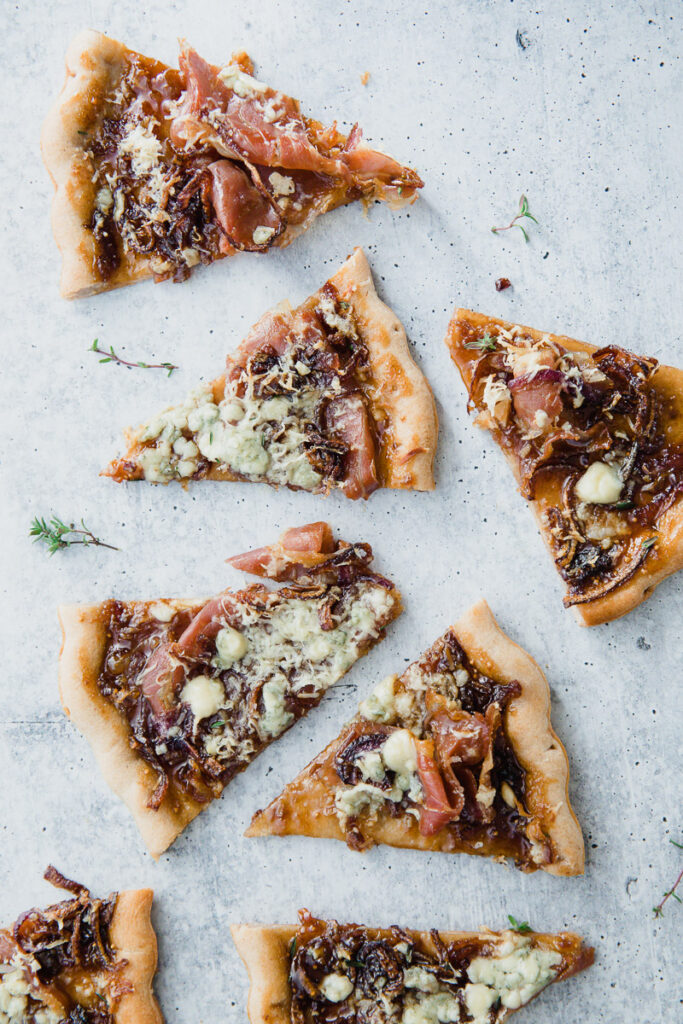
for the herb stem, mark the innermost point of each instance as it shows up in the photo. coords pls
(112, 357)
(658, 911)
(58, 535)
(520, 215)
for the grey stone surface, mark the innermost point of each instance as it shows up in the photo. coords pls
(586, 120)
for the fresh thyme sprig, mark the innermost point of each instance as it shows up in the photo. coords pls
(112, 357)
(58, 535)
(485, 344)
(519, 926)
(658, 911)
(520, 215)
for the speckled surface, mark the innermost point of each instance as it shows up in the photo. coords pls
(578, 105)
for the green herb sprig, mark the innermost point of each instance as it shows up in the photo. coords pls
(647, 544)
(484, 344)
(519, 926)
(520, 215)
(112, 357)
(58, 535)
(658, 911)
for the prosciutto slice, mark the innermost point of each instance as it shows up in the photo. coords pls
(301, 547)
(347, 419)
(249, 218)
(263, 126)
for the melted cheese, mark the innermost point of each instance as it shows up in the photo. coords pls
(379, 706)
(204, 695)
(240, 82)
(517, 973)
(231, 646)
(143, 147)
(336, 987)
(438, 1008)
(14, 1000)
(599, 485)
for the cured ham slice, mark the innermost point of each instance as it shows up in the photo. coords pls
(347, 419)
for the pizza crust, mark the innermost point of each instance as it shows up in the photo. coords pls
(94, 64)
(666, 557)
(108, 732)
(306, 805)
(399, 389)
(264, 950)
(133, 937)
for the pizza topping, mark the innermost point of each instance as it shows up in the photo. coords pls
(591, 427)
(433, 744)
(205, 690)
(349, 973)
(292, 411)
(57, 965)
(192, 165)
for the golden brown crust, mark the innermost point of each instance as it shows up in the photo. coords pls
(93, 65)
(133, 937)
(306, 806)
(108, 732)
(399, 391)
(666, 557)
(264, 950)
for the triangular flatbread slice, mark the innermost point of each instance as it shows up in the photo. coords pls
(456, 755)
(158, 170)
(324, 396)
(325, 971)
(177, 696)
(81, 961)
(594, 437)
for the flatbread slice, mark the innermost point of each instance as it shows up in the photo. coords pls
(325, 971)
(594, 437)
(178, 696)
(324, 396)
(158, 170)
(81, 961)
(456, 755)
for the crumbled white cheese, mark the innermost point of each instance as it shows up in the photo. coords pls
(244, 85)
(231, 646)
(162, 612)
(336, 987)
(437, 1008)
(205, 696)
(104, 200)
(333, 319)
(399, 752)
(275, 718)
(371, 766)
(418, 977)
(358, 799)
(599, 485)
(281, 184)
(519, 974)
(497, 398)
(143, 147)
(479, 999)
(262, 234)
(14, 1000)
(379, 706)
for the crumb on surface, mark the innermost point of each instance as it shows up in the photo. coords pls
(365, 78)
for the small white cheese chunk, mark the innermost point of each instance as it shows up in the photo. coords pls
(599, 485)
(231, 645)
(162, 612)
(417, 977)
(204, 695)
(379, 706)
(399, 753)
(262, 234)
(479, 999)
(336, 987)
(281, 184)
(240, 82)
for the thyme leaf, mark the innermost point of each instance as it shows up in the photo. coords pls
(112, 357)
(485, 344)
(58, 535)
(292, 947)
(647, 544)
(519, 926)
(658, 911)
(522, 213)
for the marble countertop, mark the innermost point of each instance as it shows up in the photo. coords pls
(578, 106)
